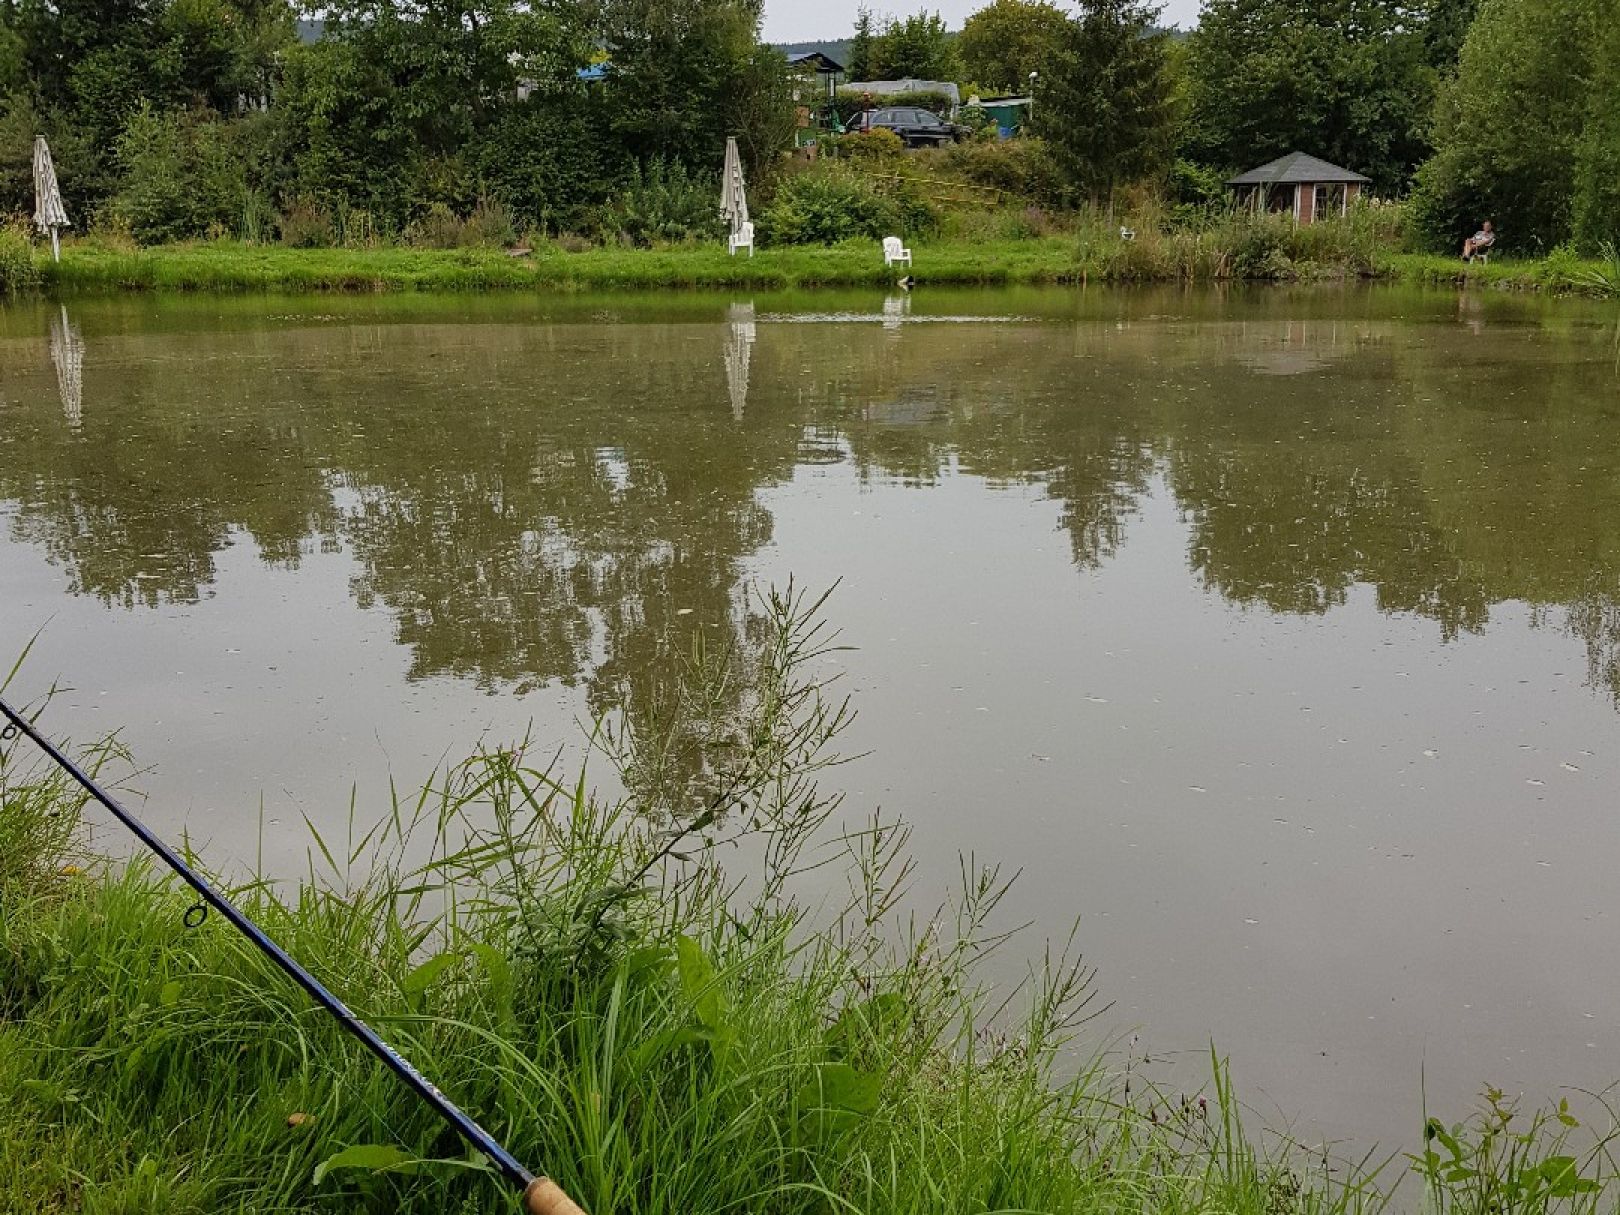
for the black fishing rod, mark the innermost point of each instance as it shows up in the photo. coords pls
(541, 1195)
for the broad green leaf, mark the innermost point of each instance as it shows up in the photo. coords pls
(839, 1086)
(494, 963)
(372, 1157)
(698, 983)
(425, 975)
(171, 993)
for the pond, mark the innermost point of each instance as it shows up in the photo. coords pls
(1273, 634)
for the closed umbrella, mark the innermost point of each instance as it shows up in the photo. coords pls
(49, 213)
(733, 197)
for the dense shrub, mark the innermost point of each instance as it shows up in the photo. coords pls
(189, 174)
(879, 147)
(306, 224)
(834, 203)
(548, 162)
(17, 271)
(663, 201)
(1023, 167)
(489, 225)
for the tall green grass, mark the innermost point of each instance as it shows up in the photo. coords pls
(18, 271)
(627, 992)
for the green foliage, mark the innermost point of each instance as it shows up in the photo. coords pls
(1022, 168)
(1002, 43)
(1104, 110)
(677, 66)
(1597, 154)
(17, 270)
(917, 47)
(1489, 1164)
(1507, 127)
(306, 224)
(832, 204)
(664, 202)
(13, 60)
(549, 160)
(881, 148)
(1195, 191)
(489, 226)
(1347, 81)
(860, 46)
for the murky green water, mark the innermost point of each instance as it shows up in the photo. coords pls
(1276, 635)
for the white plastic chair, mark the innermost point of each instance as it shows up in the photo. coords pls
(743, 237)
(894, 251)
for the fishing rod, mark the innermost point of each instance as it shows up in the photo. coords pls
(541, 1195)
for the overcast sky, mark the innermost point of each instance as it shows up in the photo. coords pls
(805, 20)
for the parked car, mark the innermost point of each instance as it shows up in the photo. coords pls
(916, 128)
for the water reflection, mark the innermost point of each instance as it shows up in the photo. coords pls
(67, 356)
(739, 351)
(535, 503)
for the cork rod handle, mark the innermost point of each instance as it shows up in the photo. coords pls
(545, 1197)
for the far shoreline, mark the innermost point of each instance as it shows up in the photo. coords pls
(89, 267)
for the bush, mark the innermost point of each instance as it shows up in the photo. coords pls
(1023, 167)
(833, 204)
(17, 270)
(664, 201)
(184, 175)
(306, 224)
(879, 147)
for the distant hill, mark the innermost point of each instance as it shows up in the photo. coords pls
(837, 49)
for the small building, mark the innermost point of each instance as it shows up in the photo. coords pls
(1008, 113)
(815, 85)
(1300, 184)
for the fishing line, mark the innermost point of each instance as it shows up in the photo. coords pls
(541, 1195)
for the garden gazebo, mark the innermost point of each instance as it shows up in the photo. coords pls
(1300, 184)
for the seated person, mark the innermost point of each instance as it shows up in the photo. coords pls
(1479, 242)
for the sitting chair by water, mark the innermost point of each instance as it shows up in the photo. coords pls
(743, 237)
(894, 251)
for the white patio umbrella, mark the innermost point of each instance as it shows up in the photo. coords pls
(49, 213)
(733, 196)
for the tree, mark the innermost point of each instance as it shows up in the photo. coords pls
(1507, 127)
(1002, 43)
(1104, 108)
(675, 66)
(1445, 26)
(917, 47)
(1597, 156)
(1346, 80)
(860, 46)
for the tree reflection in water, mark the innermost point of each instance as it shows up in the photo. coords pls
(542, 502)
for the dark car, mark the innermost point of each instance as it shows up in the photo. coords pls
(916, 128)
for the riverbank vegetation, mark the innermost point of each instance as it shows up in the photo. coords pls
(659, 1031)
(490, 123)
(1013, 247)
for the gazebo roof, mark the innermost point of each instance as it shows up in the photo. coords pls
(1295, 169)
(823, 63)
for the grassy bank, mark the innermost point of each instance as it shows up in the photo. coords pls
(228, 266)
(659, 1033)
(231, 267)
